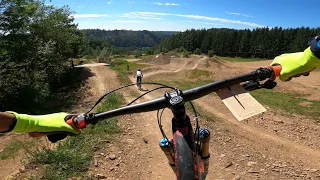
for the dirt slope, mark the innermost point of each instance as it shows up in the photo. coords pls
(267, 147)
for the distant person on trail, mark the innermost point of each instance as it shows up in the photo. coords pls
(293, 65)
(139, 76)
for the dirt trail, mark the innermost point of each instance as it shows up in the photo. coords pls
(264, 147)
(138, 155)
(261, 153)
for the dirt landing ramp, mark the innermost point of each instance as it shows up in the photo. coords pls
(163, 58)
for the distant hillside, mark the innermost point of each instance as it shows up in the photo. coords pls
(127, 38)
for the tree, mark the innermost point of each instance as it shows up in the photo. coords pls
(105, 55)
(164, 50)
(40, 40)
(185, 53)
(197, 51)
(210, 53)
(259, 43)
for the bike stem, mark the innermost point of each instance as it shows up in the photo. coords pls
(180, 121)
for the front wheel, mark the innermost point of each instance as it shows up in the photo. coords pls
(186, 167)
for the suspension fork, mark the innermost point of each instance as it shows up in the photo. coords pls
(181, 123)
(182, 131)
(204, 154)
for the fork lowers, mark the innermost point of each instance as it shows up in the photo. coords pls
(167, 150)
(204, 139)
(204, 152)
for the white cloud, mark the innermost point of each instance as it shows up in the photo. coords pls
(142, 15)
(238, 14)
(156, 16)
(81, 6)
(109, 2)
(166, 4)
(89, 15)
(171, 4)
(227, 21)
(125, 21)
(204, 22)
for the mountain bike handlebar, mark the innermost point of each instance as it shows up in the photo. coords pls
(80, 121)
(260, 74)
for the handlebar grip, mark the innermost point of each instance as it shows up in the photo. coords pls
(276, 70)
(72, 124)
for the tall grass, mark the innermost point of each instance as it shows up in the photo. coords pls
(290, 102)
(72, 157)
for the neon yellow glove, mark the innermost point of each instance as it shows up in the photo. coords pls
(42, 123)
(294, 64)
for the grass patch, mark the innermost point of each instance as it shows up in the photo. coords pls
(190, 79)
(238, 59)
(122, 66)
(197, 73)
(183, 85)
(147, 58)
(13, 147)
(290, 102)
(72, 157)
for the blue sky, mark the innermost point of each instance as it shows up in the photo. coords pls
(179, 15)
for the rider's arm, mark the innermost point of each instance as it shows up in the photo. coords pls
(295, 64)
(12, 121)
(7, 122)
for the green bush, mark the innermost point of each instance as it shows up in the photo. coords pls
(210, 53)
(197, 51)
(185, 53)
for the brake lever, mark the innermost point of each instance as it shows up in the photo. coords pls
(251, 85)
(254, 85)
(269, 84)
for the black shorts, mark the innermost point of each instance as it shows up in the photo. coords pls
(139, 79)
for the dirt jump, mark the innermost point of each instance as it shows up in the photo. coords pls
(272, 145)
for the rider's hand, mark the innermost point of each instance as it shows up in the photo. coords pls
(42, 123)
(301, 63)
(295, 64)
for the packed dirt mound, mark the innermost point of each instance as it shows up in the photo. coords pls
(163, 58)
(151, 69)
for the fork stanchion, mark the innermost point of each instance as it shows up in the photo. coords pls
(204, 151)
(166, 148)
